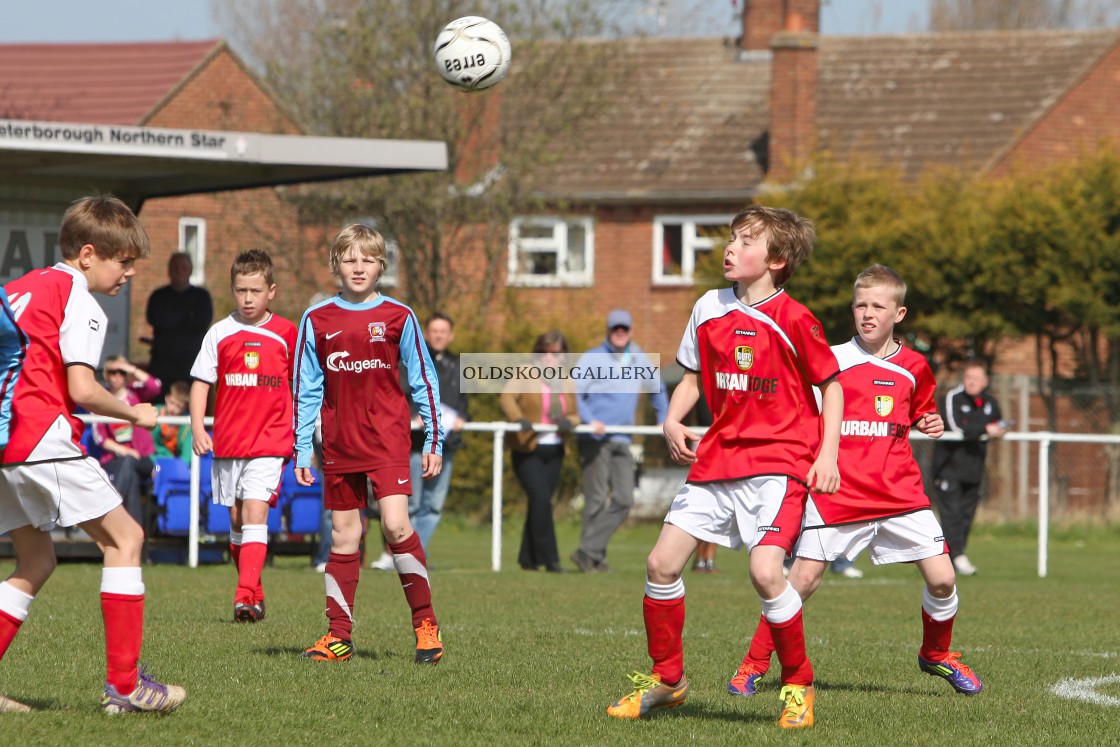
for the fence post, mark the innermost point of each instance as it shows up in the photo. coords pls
(496, 500)
(192, 535)
(1043, 501)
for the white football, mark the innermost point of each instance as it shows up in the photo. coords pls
(472, 53)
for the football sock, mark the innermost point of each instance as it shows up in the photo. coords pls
(784, 615)
(14, 608)
(663, 610)
(412, 568)
(342, 585)
(254, 552)
(762, 646)
(235, 548)
(122, 608)
(937, 624)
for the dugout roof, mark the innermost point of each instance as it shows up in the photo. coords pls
(40, 159)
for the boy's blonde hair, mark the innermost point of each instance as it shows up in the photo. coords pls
(180, 390)
(252, 262)
(105, 223)
(363, 238)
(881, 276)
(788, 236)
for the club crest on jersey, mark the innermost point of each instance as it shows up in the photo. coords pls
(252, 360)
(884, 404)
(744, 357)
(377, 331)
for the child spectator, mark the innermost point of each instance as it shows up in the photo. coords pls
(248, 356)
(173, 440)
(46, 479)
(757, 353)
(126, 452)
(881, 503)
(350, 351)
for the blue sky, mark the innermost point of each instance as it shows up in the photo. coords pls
(158, 20)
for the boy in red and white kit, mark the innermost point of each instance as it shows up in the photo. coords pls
(47, 480)
(758, 354)
(248, 356)
(881, 504)
(350, 351)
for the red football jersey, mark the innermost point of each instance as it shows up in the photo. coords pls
(65, 326)
(252, 368)
(349, 358)
(758, 365)
(883, 398)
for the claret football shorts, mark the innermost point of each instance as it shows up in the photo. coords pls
(348, 491)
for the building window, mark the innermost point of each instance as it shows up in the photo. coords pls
(679, 241)
(192, 240)
(548, 251)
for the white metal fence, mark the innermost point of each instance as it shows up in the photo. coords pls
(1042, 482)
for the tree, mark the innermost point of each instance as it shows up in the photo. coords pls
(990, 15)
(364, 68)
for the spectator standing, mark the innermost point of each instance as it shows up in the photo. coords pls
(179, 314)
(539, 457)
(958, 466)
(425, 505)
(608, 465)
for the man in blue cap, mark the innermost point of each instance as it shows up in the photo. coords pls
(608, 465)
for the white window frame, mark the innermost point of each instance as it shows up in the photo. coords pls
(691, 243)
(558, 244)
(198, 256)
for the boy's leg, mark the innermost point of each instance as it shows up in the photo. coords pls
(254, 552)
(663, 609)
(805, 577)
(127, 688)
(35, 561)
(939, 610)
(343, 565)
(412, 567)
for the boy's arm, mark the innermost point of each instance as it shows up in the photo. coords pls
(424, 384)
(824, 475)
(679, 437)
(200, 396)
(308, 393)
(87, 392)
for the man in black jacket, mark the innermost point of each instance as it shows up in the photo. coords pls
(425, 505)
(958, 466)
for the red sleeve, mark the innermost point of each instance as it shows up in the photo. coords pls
(817, 358)
(925, 389)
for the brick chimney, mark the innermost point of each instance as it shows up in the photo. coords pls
(793, 91)
(764, 18)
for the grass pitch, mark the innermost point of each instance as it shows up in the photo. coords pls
(535, 658)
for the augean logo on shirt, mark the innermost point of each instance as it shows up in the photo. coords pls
(592, 373)
(338, 362)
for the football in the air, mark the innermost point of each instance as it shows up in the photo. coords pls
(472, 53)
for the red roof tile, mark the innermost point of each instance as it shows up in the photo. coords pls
(97, 83)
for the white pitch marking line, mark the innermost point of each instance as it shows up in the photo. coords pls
(1082, 689)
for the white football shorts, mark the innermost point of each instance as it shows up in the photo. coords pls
(759, 510)
(898, 539)
(256, 479)
(49, 494)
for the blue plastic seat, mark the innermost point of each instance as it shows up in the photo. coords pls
(171, 487)
(302, 503)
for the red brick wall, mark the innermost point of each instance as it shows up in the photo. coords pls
(222, 96)
(764, 18)
(793, 103)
